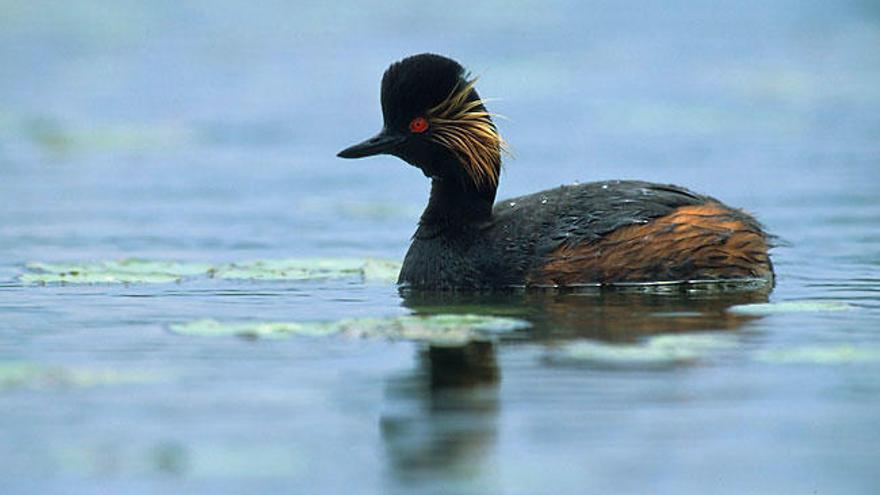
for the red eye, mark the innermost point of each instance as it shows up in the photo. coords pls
(418, 125)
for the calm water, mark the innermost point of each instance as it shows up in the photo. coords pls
(207, 133)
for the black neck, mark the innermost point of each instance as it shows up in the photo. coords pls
(457, 203)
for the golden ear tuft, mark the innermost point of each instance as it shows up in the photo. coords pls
(465, 127)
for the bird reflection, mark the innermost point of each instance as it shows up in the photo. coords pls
(441, 423)
(609, 315)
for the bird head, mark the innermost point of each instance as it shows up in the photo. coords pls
(435, 120)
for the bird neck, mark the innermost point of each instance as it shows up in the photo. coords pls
(456, 203)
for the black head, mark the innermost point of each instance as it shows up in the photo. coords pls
(435, 120)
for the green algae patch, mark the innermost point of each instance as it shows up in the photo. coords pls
(662, 351)
(821, 354)
(247, 458)
(138, 271)
(807, 306)
(126, 271)
(435, 329)
(214, 328)
(443, 329)
(379, 270)
(17, 374)
(64, 137)
(310, 269)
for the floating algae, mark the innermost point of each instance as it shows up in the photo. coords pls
(309, 269)
(807, 306)
(378, 270)
(247, 458)
(436, 329)
(214, 328)
(452, 329)
(670, 350)
(17, 374)
(656, 352)
(64, 137)
(126, 271)
(137, 271)
(821, 354)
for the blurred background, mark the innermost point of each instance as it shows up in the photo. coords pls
(206, 131)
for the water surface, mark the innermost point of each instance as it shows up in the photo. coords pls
(206, 133)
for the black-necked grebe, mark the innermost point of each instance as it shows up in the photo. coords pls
(601, 232)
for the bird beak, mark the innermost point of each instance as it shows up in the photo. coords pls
(384, 142)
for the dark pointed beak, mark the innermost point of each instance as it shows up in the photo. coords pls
(383, 142)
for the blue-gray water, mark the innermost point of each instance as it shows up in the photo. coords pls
(206, 131)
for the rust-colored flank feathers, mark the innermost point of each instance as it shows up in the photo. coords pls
(710, 239)
(465, 127)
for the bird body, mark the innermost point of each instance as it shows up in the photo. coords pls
(584, 234)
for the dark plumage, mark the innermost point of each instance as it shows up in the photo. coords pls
(603, 232)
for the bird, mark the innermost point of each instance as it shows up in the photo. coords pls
(589, 234)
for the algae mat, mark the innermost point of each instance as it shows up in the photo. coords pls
(784, 307)
(669, 351)
(435, 329)
(24, 374)
(138, 271)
